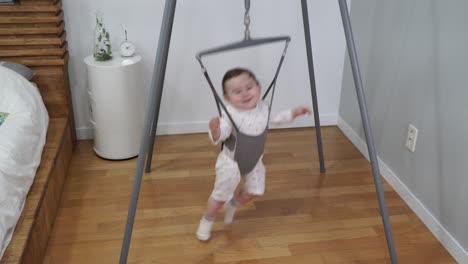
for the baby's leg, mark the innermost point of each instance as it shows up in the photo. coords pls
(213, 207)
(227, 179)
(254, 186)
(244, 197)
(230, 207)
(206, 223)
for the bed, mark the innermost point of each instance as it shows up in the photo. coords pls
(32, 34)
(23, 131)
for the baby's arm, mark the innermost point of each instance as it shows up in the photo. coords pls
(220, 129)
(289, 115)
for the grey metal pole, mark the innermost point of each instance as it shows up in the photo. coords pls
(310, 61)
(367, 128)
(160, 83)
(154, 127)
(152, 108)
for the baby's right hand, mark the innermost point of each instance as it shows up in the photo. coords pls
(214, 127)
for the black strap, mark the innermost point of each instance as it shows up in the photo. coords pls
(218, 100)
(273, 82)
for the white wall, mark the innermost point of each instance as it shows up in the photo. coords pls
(187, 102)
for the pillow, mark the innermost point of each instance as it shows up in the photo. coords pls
(19, 68)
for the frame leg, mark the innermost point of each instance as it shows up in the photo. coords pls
(367, 128)
(154, 125)
(161, 73)
(151, 113)
(305, 19)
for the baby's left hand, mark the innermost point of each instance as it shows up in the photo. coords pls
(301, 110)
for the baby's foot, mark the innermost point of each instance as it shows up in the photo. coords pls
(204, 229)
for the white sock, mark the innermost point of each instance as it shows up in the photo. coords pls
(204, 228)
(230, 208)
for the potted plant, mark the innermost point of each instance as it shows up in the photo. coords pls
(102, 45)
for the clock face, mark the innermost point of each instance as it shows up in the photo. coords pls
(127, 49)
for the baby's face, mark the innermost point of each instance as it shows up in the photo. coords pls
(242, 91)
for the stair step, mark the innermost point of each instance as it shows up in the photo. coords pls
(27, 29)
(24, 7)
(50, 50)
(33, 40)
(33, 18)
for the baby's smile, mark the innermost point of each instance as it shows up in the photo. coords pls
(245, 101)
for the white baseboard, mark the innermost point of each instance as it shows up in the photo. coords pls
(202, 126)
(445, 238)
(83, 133)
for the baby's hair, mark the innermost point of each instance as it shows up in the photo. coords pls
(234, 73)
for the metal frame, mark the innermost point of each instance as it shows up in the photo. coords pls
(154, 102)
(246, 43)
(243, 44)
(367, 128)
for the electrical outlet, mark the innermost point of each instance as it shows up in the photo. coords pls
(411, 138)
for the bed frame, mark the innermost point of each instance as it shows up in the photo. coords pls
(32, 33)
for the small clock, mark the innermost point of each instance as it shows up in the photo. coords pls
(127, 49)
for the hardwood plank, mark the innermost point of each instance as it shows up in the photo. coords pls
(304, 216)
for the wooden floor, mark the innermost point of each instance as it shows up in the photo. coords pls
(304, 217)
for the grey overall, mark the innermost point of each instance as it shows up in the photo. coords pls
(247, 149)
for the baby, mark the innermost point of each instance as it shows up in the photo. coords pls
(243, 129)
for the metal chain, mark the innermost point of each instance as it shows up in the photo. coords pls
(247, 19)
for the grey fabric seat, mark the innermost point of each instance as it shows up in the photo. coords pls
(247, 149)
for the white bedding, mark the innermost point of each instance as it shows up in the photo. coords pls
(22, 138)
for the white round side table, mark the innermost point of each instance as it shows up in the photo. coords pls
(117, 106)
